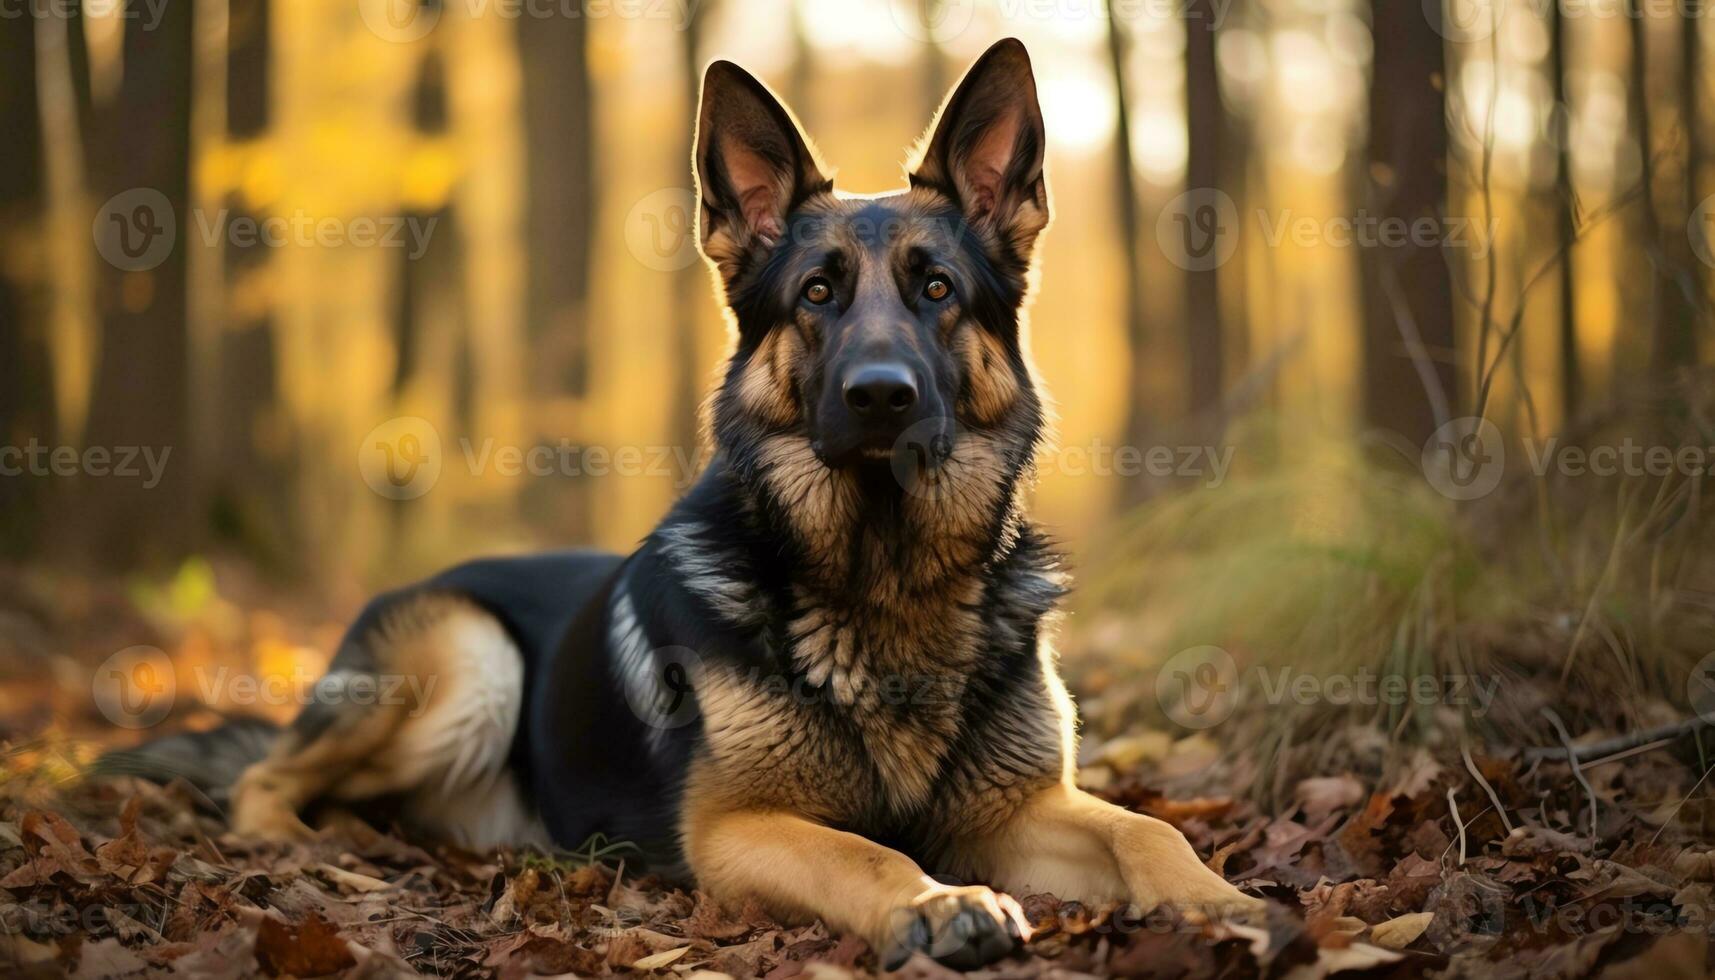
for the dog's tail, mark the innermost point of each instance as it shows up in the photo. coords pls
(211, 761)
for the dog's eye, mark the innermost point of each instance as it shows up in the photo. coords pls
(937, 288)
(818, 291)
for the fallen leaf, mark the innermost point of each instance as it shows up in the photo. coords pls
(1401, 932)
(656, 961)
(1322, 795)
(312, 949)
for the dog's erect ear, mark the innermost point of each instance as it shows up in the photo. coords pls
(987, 147)
(752, 163)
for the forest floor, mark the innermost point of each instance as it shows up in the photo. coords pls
(1455, 863)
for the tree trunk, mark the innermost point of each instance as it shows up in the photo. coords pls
(26, 396)
(1204, 122)
(1137, 424)
(689, 283)
(559, 132)
(139, 149)
(1408, 338)
(559, 128)
(1565, 211)
(1672, 342)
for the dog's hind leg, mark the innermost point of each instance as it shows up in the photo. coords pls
(422, 701)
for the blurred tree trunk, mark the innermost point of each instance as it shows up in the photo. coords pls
(250, 502)
(1672, 340)
(559, 128)
(1565, 214)
(801, 76)
(1407, 290)
(140, 141)
(1692, 120)
(689, 283)
(1205, 119)
(26, 395)
(1137, 419)
(935, 82)
(560, 164)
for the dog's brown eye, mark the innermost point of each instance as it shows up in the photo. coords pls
(818, 291)
(937, 289)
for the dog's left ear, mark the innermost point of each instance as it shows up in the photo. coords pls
(987, 148)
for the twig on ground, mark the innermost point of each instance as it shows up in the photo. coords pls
(1577, 770)
(1494, 797)
(1601, 750)
(1453, 805)
(1681, 803)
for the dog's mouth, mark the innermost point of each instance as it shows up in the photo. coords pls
(915, 450)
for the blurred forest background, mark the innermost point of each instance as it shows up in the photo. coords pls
(540, 288)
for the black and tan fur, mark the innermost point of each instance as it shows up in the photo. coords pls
(825, 676)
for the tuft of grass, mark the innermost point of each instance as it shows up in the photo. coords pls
(596, 849)
(1319, 558)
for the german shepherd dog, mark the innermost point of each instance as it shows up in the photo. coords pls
(826, 673)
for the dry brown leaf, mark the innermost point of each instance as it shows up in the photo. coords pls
(1323, 795)
(351, 880)
(655, 961)
(312, 949)
(1398, 933)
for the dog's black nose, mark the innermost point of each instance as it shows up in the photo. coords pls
(880, 391)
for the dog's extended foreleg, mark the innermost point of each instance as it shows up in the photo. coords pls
(798, 869)
(1073, 845)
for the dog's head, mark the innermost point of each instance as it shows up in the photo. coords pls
(870, 326)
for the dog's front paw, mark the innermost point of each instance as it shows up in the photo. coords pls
(963, 927)
(1215, 903)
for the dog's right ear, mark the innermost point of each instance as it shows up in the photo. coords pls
(753, 165)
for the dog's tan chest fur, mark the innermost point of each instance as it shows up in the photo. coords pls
(860, 723)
